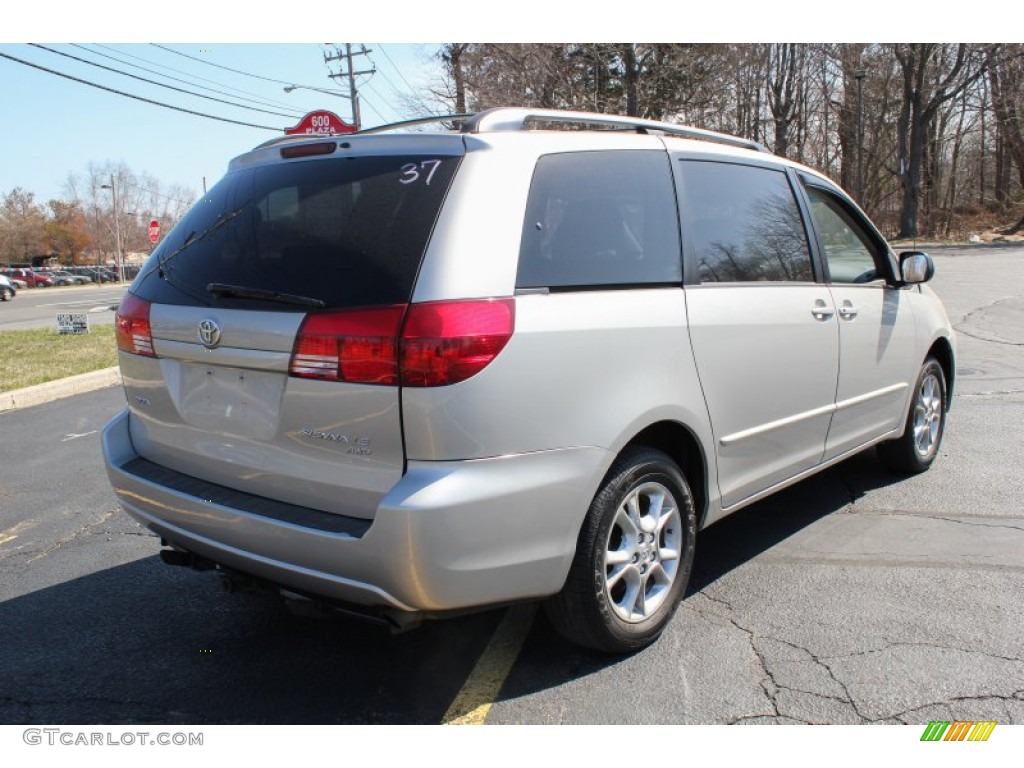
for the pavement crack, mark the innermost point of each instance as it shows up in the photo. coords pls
(919, 644)
(989, 339)
(832, 675)
(1015, 696)
(82, 531)
(943, 518)
(767, 680)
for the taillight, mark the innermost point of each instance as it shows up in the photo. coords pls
(131, 326)
(352, 345)
(446, 342)
(438, 343)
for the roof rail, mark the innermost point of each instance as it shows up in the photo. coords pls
(414, 122)
(515, 119)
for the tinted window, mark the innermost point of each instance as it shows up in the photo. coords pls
(598, 219)
(849, 250)
(743, 224)
(347, 231)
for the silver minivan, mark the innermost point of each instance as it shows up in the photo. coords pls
(412, 373)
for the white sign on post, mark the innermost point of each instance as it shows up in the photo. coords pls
(72, 323)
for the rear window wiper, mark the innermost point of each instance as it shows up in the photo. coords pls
(221, 290)
(193, 238)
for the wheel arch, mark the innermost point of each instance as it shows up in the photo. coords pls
(682, 446)
(942, 351)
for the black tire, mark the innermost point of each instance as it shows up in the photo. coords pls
(915, 450)
(646, 588)
(6, 294)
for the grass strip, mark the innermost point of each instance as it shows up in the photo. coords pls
(41, 354)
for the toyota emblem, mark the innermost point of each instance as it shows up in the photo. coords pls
(209, 333)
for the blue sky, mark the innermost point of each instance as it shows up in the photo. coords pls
(51, 126)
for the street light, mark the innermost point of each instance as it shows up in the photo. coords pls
(117, 228)
(290, 88)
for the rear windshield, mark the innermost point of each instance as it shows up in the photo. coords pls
(346, 232)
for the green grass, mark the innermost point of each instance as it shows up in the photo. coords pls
(38, 355)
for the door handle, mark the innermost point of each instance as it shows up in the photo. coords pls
(847, 311)
(821, 310)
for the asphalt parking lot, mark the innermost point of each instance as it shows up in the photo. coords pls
(39, 307)
(856, 596)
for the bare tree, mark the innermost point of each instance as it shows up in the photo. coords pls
(932, 75)
(1006, 77)
(785, 72)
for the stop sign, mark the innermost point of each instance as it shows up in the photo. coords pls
(154, 231)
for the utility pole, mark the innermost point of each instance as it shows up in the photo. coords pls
(112, 186)
(351, 73)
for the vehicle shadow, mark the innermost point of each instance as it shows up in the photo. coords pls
(146, 643)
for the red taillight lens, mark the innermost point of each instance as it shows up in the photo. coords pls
(131, 326)
(352, 345)
(448, 341)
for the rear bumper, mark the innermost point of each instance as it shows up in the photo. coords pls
(448, 535)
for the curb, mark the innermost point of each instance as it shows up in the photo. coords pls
(55, 390)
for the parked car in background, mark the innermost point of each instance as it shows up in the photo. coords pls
(16, 281)
(95, 274)
(32, 278)
(8, 290)
(63, 277)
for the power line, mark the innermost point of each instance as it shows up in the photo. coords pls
(149, 191)
(190, 74)
(364, 100)
(382, 97)
(220, 66)
(381, 47)
(161, 85)
(255, 98)
(133, 96)
(393, 87)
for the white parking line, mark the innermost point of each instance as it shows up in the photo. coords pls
(69, 303)
(73, 436)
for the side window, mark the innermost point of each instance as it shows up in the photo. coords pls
(849, 250)
(743, 224)
(600, 219)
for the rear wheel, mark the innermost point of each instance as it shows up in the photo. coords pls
(6, 294)
(633, 557)
(916, 449)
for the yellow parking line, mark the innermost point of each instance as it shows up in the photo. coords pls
(478, 693)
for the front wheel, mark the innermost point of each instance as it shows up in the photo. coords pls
(6, 294)
(915, 450)
(633, 557)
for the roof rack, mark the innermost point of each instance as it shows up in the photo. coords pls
(515, 119)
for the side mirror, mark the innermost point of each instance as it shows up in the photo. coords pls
(916, 267)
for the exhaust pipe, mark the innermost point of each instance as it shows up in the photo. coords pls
(181, 558)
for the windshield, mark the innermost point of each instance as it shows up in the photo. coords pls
(347, 232)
